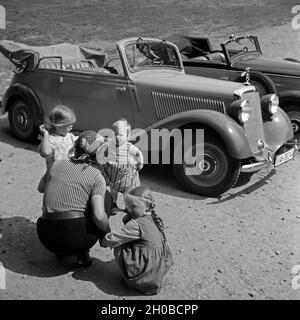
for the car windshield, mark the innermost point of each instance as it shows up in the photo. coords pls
(240, 45)
(144, 54)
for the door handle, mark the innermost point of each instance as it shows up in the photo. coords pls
(123, 89)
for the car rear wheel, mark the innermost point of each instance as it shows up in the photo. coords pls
(293, 113)
(262, 83)
(21, 121)
(219, 170)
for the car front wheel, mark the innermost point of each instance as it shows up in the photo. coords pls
(212, 173)
(293, 113)
(21, 121)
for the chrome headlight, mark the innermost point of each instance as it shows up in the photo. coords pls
(274, 103)
(240, 110)
(270, 103)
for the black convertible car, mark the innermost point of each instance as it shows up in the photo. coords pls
(239, 58)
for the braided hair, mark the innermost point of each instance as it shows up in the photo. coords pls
(146, 196)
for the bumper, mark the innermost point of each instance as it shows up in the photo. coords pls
(271, 158)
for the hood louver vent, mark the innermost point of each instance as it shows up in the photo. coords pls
(168, 104)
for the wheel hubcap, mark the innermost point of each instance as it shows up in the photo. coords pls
(208, 165)
(295, 125)
(22, 119)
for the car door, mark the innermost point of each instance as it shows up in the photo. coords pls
(98, 98)
(207, 69)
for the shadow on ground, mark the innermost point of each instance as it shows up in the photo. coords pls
(160, 179)
(229, 195)
(7, 137)
(21, 252)
(105, 275)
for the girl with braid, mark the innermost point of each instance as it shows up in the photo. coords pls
(140, 247)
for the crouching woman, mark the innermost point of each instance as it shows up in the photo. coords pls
(74, 215)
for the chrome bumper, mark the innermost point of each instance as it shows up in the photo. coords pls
(256, 166)
(259, 165)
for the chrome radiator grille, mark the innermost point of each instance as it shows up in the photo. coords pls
(285, 82)
(168, 104)
(254, 126)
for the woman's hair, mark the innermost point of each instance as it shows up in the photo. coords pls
(146, 196)
(60, 116)
(80, 152)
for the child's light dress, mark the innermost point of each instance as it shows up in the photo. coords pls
(62, 149)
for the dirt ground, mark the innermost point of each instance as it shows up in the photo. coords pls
(242, 245)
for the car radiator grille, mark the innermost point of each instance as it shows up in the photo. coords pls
(254, 126)
(285, 82)
(168, 104)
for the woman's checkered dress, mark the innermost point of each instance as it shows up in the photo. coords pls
(119, 168)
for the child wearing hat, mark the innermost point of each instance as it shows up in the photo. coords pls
(57, 142)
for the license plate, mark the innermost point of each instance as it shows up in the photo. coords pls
(284, 157)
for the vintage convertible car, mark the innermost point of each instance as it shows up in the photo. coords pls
(229, 62)
(146, 83)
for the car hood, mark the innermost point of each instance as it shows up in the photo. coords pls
(265, 64)
(180, 82)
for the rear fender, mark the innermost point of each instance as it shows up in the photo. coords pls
(21, 91)
(229, 131)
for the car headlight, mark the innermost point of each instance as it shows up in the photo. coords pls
(240, 110)
(270, 103)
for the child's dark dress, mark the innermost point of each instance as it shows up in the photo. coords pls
(145, 261)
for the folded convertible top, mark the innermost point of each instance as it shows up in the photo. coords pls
(191, 46)
(18, 53)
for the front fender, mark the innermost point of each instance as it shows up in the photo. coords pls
(20, 90)
(278, 131)
(229, 131)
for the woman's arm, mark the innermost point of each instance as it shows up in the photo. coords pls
(129, 232)
(98, 213)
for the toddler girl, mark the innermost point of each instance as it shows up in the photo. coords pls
(140, 247)
(57, 141)
(121, 161)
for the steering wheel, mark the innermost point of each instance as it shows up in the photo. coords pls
(245, 49)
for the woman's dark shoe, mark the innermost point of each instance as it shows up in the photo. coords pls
(59, 257)
(83, 260)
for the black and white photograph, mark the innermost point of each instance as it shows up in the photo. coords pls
(149, 150)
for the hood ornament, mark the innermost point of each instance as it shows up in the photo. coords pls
(246, 74)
